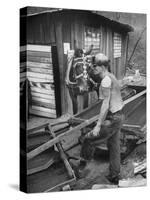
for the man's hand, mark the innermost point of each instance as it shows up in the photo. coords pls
(96, 130)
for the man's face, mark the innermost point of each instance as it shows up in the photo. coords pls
(98, 70)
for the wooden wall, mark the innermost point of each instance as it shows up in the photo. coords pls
(59, 28)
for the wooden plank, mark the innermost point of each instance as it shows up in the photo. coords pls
(38, 65)
(39, 80)
(59, 138)
(131, 126)
(62, 154)
(44, 96)
(37, 128)
(135, 97)
(48, 110)
(44, 166)
(47, 86)
(29, 47)
(39, 54)
(43, 104)
(51, 101)
(62, 64)
(40, 70)
(39, 75)
(39, 59)
(43, 90)
(40, 113)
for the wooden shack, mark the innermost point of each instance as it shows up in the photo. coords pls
(47, 35)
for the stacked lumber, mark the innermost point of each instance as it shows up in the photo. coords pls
(36, 66)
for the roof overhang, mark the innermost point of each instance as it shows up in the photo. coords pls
(33, 11)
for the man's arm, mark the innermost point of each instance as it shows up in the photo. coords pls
(104, 107)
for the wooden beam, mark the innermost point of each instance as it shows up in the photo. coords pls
(59, 138)
(131, 126)
(62, 155)
(134, 97)
(30, 131)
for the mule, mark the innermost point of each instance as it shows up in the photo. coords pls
(80, 78)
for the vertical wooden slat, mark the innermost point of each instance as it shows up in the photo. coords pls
(60, 51)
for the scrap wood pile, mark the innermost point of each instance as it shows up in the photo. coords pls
(134, 165)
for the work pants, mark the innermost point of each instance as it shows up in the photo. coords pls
(109, 133)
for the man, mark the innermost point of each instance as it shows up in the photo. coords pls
(110, 119)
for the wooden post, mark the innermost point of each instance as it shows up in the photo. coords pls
(62, 155)
(59, 43)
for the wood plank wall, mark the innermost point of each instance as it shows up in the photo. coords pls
(36, 65)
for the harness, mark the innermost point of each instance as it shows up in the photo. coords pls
(73, 64)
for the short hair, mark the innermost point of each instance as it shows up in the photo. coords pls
(102, 60)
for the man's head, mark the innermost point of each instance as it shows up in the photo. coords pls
(102, 64)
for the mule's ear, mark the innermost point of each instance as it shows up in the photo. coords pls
(89, 50)
(93, 59)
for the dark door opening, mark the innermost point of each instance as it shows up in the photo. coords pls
(56, 80)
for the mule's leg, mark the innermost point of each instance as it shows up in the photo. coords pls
(85, 100)
(74, 100)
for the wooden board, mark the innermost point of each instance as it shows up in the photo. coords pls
(41, 113)
(30, 47)
(46, 77)
(37, 98)
(38, 65)
(39, 59)
(39, 54)
(39, 80)
(43, 104)
(40, 70)
(44, 96)
(48, 110)
(43, 90)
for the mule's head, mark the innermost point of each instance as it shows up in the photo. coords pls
(81, 74)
